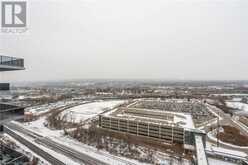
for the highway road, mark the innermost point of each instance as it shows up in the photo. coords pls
(34, 148)
(85, 159)
(57, 147)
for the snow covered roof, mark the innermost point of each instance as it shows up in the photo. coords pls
(153, 116)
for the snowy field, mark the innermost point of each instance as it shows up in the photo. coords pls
(89, 110)
(36, 110)
(212, 161)
(26, 151)
(238, 105)
(38, 126)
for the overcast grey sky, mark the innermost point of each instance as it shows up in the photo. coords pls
(135, 39)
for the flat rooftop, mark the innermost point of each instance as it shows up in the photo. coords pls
(197, 109)
(153, 116)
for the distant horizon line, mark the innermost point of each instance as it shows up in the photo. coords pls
(133, 79)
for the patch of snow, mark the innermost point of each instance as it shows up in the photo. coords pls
(210, 108)
(55, 154)
(89, 110)
(57, 136)
(212, 161)
(26, 151)
(38, 126)
(237, 99)
(86, 111)
(182, 119)
(72, 143)
(98, 154)
(238, 105)
(224, 151)
(39, 109)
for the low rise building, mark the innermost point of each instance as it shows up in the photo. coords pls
(166, 126)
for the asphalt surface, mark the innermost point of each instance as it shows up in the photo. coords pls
(69, 152)
(34, 148)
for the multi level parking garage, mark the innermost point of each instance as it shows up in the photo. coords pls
(197, 109)
(166, 126)
(147, 119)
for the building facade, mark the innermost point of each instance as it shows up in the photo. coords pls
(8, 111)
(164, 126)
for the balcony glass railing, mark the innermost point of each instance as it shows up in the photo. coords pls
(11, 61)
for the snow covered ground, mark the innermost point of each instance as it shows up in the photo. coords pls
(212, 161)
(26, 151)
(238, 105)
(36, 110)
(90, 110)
(92, 151)
(38, 126)
(182, 119)
(87, 111)
(210, 108)
(223, 151)
(58, 136)
(237, 99)
(55, 154)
